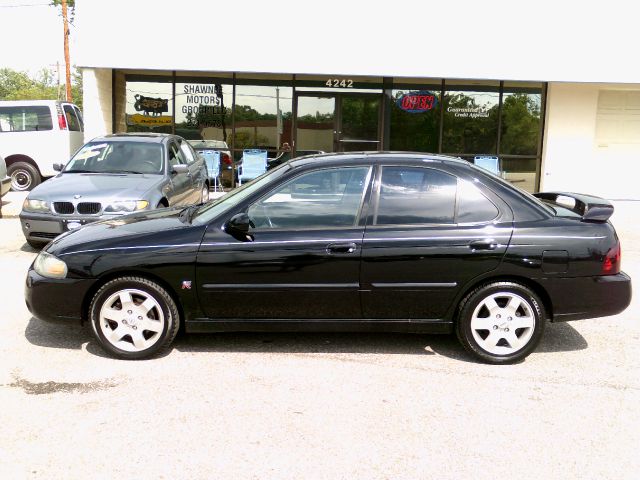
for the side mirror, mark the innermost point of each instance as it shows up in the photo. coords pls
(177, 169)
(239, 223)
(58, 167)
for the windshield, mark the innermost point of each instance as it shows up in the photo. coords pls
(117, 157)
(212, 210)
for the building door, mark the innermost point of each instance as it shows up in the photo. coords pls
(332, 122)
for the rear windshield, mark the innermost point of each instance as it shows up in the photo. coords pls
(117, 157)
(35, 118)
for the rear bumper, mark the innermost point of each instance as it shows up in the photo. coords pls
(588, 297)
(58, 301)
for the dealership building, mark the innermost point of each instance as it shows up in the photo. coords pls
(554, 99)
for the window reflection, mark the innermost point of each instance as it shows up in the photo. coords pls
(203, 110)
(520, 123)
(263, 117)
(415, 196)
(470, 121)
(415, 129)
(328, 198)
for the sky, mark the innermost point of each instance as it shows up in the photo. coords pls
(33, 35)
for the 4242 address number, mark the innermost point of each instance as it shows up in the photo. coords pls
(339, 83)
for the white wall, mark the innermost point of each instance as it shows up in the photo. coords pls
(96, 102)
(572, 158)
(547, 40)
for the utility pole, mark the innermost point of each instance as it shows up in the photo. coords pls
(66, 49)
(58, 73)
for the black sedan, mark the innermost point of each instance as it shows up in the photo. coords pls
(372, 241)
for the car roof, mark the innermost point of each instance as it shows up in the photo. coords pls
(136, 137)
(366, 157)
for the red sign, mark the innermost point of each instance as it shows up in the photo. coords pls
(417, 102)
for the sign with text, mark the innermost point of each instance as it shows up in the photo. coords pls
(204, 106)
(417, 102)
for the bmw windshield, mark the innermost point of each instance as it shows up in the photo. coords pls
(118, 157)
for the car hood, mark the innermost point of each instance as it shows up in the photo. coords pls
(157, 228)
(96, 186)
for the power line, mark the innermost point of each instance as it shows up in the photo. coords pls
(26, 5)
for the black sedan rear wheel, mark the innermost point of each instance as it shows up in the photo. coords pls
(501, 322)
(133, 318)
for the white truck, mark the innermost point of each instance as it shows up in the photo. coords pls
(35, 134)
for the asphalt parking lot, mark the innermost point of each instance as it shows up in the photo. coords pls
(319, 406)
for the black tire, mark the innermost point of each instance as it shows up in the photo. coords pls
(165, 335)
(526, 339)
(36, 244)
(24, 176)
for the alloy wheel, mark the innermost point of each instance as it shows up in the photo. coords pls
(503, 323)
(132, 320)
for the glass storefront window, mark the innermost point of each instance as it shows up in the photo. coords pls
(149, 106)
(521, 112)
(415, 119)
(470, 119)
(338, 113)
(203, 110)
(263, 117)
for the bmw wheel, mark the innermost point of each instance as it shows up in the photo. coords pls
(133, 318)
(501, 322)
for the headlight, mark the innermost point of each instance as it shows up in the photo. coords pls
(49, 266)
(126, 206)
(33, 205)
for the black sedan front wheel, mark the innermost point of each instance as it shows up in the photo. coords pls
(133, 318)
(501, 322)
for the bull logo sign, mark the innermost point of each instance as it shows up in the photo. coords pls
(152, 112)
(153, 106)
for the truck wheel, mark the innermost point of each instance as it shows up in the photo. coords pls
(24, 176)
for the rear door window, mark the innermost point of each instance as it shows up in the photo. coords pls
(72, 119)
(415, 195)
(79, 114)
(35, 118)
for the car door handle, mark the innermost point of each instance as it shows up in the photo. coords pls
(341, 248)
(486, 244)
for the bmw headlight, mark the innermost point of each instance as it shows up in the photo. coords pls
(47, 265)
(126, 206)
(33, 205)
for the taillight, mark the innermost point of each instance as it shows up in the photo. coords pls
(611, 264)
(226, 159)
(62, 121)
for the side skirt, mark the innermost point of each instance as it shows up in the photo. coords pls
(207, 325)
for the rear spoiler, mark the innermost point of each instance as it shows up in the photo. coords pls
(591, 209)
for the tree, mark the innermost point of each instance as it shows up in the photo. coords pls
(16, 85)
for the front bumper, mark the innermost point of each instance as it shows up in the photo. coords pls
(44, 227)
(56, 300)
(588, 297)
